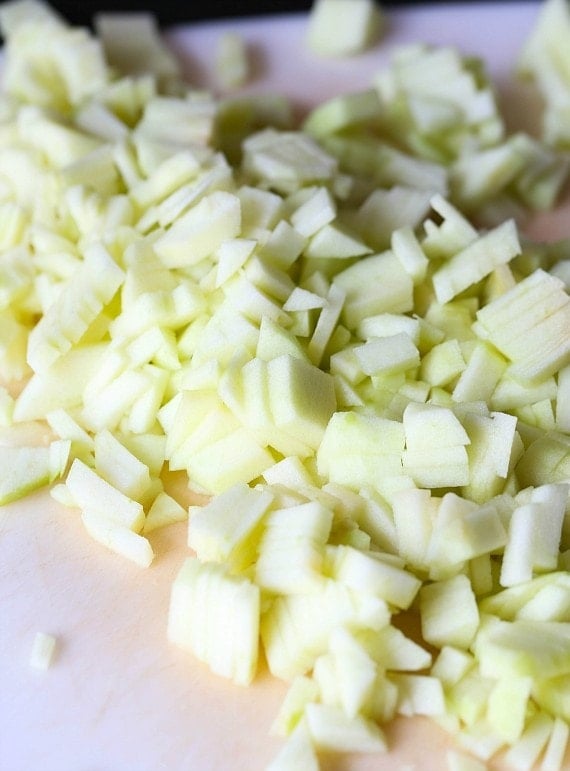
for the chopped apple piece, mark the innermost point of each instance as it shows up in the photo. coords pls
(342, 27)
(223, 530)
(297, 752)
(519, 322)
(476, 261)
(25, 469)
(43, 650)
(215, 616)
(332, 730)
(92, 493)
(118, 537)
(449, 613)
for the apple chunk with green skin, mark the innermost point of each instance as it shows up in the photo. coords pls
(25, 469)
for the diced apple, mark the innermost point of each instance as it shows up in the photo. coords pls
(449, 613)
(92, 493)
(119, 538)
(228, 527)
(200, 231)
(342, 27)
(25, 469)
(291, 549)
(297, 752)
(215, 616)
(332, 730)
(43, 650)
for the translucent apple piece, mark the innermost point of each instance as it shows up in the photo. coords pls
(297, 752)
(342, 27)
(25, 469)
(393, 651)
(286, 159)
(342, 112)
(371, 574)
(302, 691)
(528, 325)
(83, 298)
(419, 695)
(291, 549)
(536, 649)
(117, 537)
(133, 45)
(476, 261)
(227, 528)
(92, 493)
(43, 650)
(295, 629)
(556, 748)
(163, 511)
(232, 61)
(332, 730)
(523, 754)
(350, 453)
(119, 466)
(200, 231)
(215, 616)
(449, 613)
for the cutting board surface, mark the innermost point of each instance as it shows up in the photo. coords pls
(118, 697)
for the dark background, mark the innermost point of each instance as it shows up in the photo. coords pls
(193, 10)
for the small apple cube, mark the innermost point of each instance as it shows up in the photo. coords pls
(25, 469)
(215, 616)
(342, 27)
(449, 613)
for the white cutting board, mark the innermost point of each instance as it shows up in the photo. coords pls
(118, 697)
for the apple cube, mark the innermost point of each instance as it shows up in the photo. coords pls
(376, 284)
(227, 528)
(215, 616)
(342, 27)
(435, 454)
(331, 730)
(118, 466)
(291, 549)
(528, 325)
(368, 572)
(295, 629)
(507, 707)
(25, 469)
(43, 650)
(297, 752)
(387, 355)
(536, 649)
(419, 695)
(164, 510)
(92, 493)
(286, 159)
(476, 261)
(393, 651)
(524, 752)
(200, 231)
(232, 64)
(449, 613)
(117, 537)
(302, 691)
(83, 298)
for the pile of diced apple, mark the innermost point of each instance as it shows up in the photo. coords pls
(342, 339)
